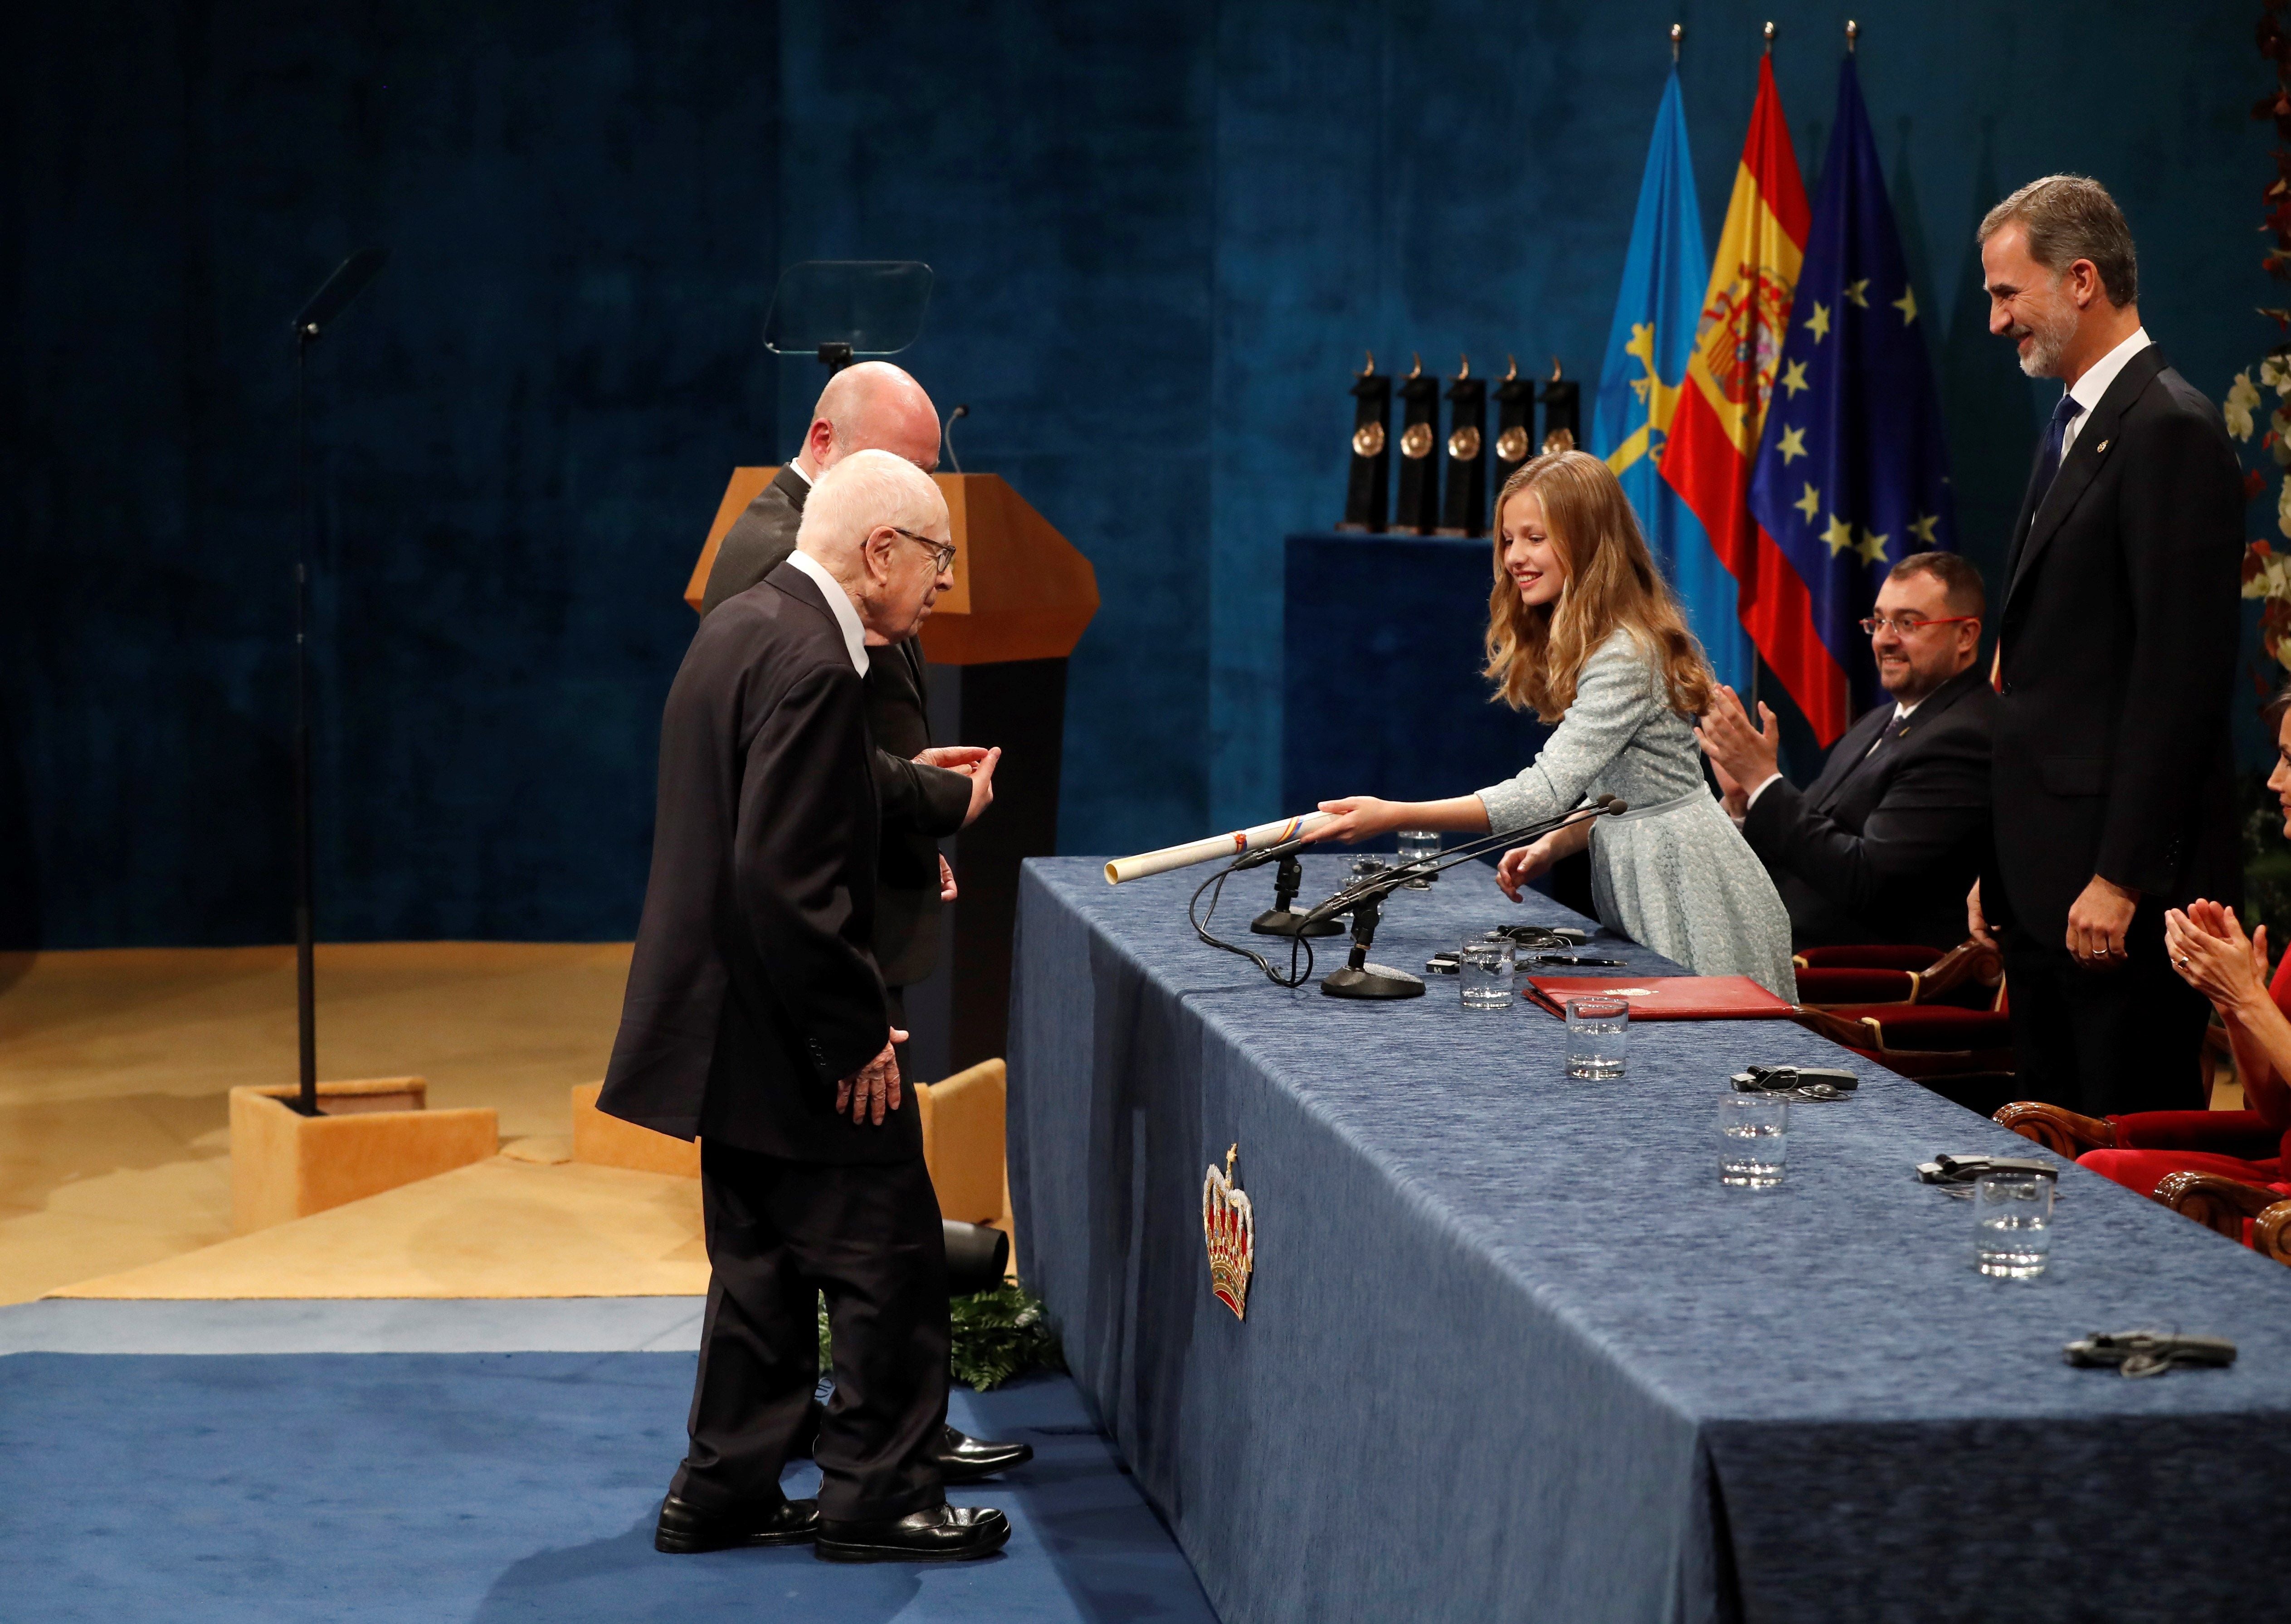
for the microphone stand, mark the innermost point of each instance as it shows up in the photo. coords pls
(1364, 901)
(1287, 880)
(348, 282)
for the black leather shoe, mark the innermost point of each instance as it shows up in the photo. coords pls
(684, 1528)
(963, 1459)
(944, 1533)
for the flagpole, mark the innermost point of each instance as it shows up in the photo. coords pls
(1677, 33)
(1852, 33)
(1771, 32)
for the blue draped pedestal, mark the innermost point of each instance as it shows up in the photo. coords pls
(1513, 1352)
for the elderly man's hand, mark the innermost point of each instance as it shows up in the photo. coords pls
(874, 1087)
(1747, 755)
(945, 878)
(954, 758)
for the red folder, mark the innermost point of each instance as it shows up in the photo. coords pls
(1665, 997)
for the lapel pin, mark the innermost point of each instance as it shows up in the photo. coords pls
(2100, 450)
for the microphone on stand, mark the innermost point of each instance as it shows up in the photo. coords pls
(1364, 901)
(1287, 880)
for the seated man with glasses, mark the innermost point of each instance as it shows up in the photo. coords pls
(1884, 843)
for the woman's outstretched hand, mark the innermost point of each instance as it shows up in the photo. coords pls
(1357, 818)
(1523, 864)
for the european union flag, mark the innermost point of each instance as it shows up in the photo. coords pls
(1656, 311)
(1852, 471)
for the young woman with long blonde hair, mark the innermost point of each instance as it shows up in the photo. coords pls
(1582, 631)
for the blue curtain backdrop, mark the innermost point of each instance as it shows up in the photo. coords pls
(1161, 237)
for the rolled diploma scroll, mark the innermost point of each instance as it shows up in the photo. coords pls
(1217, 846)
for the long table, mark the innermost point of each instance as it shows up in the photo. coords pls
(1511, 1351)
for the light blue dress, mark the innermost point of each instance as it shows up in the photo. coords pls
(1673, 873)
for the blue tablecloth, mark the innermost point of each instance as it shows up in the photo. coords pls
(1513, 1352)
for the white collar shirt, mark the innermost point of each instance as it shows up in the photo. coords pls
(839, 605)
(2094, 383)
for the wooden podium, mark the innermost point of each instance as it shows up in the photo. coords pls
(997, 645)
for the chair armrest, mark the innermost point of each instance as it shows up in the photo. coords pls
(1968, 961)
(2218, 1204)
(1853, 1033)
(2062, 1132)
(2271, 1232)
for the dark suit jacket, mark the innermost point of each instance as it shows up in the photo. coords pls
(2119, 638)
(920, 804)
(753, 989)
(1884, 849)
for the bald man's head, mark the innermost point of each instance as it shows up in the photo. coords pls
(873, 406)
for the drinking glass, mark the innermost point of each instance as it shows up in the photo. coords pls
(1753, 1141)
(1368, 866)
(2012, 1225)
(1419, 846)
(1598, 1025)
(1483, 969)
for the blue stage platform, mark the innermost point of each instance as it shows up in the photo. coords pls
(425, 1486)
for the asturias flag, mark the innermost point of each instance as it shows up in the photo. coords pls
(1647, 347)
(1853, 474)
(1738, 343)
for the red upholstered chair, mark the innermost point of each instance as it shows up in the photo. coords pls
(2259, 1215)
(1847, 978)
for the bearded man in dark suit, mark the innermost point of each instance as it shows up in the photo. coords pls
(756, 1019)
(1881, 847)
(2113, 775)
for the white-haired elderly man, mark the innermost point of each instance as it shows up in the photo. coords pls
(755, 1019)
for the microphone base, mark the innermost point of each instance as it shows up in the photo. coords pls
(1371, 981)
(1287, 921)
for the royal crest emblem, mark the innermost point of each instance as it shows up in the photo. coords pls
(1229, 1228)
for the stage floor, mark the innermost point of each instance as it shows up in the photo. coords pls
(475, 1459)
(115, 1068)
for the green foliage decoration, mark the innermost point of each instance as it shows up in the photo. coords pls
(998, 1335)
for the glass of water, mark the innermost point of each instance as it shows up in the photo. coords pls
(1419, 846)
(1368, 866)
(2012, 1225)
(1598, 1025)
(1484, 968)
(1753, 1141)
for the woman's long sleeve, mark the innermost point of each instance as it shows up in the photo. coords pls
(1614, 697)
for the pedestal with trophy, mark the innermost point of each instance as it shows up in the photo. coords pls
(1562, 412)
(1418, 507)
(1464, 510)
(1514, 423)
(1370, 477)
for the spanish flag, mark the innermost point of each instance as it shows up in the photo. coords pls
(1730, 376)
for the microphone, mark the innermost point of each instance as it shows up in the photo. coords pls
(348, 282)
(946, 435)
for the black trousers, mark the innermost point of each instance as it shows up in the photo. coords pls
(869, 1237)
(2106, 1043)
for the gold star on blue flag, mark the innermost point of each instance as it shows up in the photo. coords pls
(1865, 430)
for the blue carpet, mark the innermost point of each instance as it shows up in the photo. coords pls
(493, 1486)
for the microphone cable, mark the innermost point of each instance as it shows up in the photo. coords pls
(1214, 884)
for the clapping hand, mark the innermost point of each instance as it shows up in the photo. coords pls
(1744, 757)
(2208, 948)
(874, 1087)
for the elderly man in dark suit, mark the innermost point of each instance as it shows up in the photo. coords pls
(927, 793)
(755, 1018)
(1883, 844)
(2113, 776)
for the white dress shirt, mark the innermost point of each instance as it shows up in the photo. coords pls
(839, 603)
(2093, 384)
